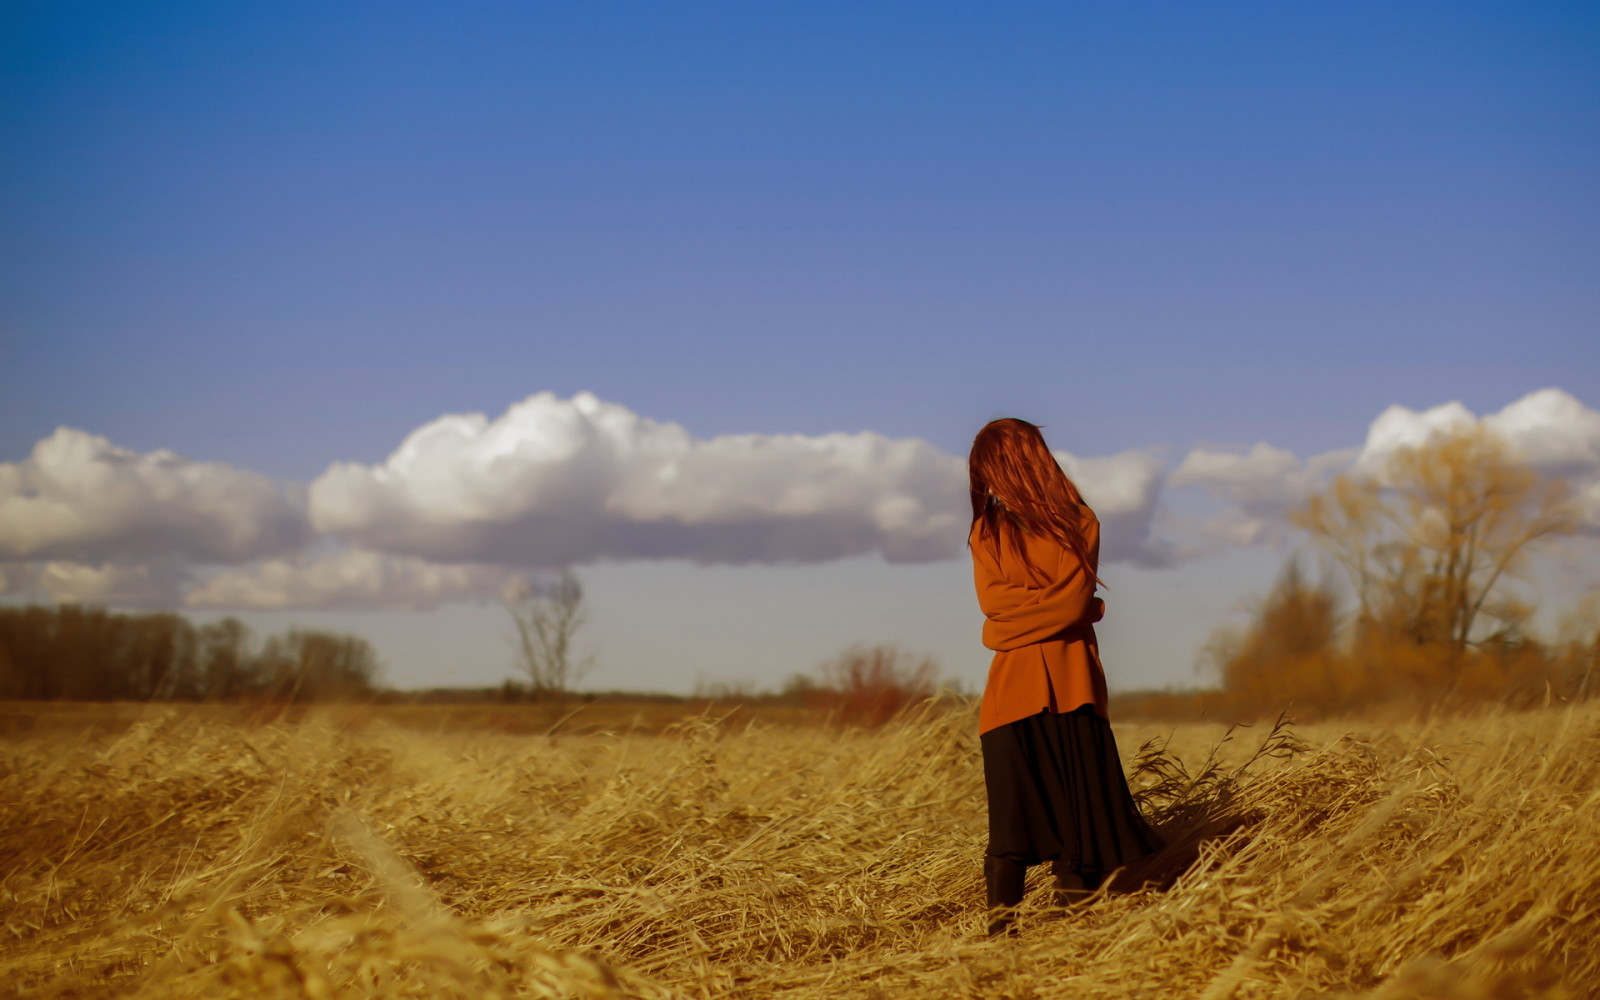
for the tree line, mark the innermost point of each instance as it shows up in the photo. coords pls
(71, 652)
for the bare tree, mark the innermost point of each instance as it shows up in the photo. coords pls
(306, 665)
(1430, 544)
(547, 619)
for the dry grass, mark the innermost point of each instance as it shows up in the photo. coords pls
(191, 856)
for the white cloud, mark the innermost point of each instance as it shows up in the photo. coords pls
(78, 497)
(1589, 504)
(153, 584)
(1399, 427)
(555, 481)
(1259, 486)
(465, 501)
(1263, 476)
(348, 580)
(1553, 430)
(1123, 489)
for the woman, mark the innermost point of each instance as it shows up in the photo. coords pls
(1055, 784)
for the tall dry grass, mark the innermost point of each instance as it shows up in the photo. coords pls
(190, 857)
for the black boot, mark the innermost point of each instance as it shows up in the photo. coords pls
(1073, 887)
(1004, 880)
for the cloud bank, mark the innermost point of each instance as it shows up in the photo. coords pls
(156, 584)
(556, 481)
(78, 497)
(346, 580)
(466, 501)
(559, 481)
(1552, 430)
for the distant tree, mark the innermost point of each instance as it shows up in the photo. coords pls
(161, 662)
(1579, 651)
(24, 641)
(1288, 652)
(84, 652)
(227, 668)
(1431, 542)
(306, 665)
(800, 689)
(88, 653)
(547, 619)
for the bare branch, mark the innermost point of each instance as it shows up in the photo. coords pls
(547, 619)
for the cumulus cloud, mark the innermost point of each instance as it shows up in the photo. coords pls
(1589, 504)
(1400, 427)
(555, 481)
(1259, 485)
(347, 580)
(1551, 429)
(1123, 489)
(465, 501)
(1263, 476)
(79, 498)
(153, 584)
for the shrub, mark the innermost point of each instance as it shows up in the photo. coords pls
(869, 685)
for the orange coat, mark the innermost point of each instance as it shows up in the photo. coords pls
(1040, 625)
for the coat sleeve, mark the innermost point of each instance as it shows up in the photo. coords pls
(1016, 615)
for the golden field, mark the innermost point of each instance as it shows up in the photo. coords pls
(173, 852)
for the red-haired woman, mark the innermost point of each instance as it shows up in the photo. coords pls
(1055, 784)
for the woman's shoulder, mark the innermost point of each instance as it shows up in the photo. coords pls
(1087, 516)
(1015, 536)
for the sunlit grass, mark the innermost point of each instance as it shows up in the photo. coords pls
(196, 855)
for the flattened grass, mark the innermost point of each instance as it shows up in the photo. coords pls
(192, 855)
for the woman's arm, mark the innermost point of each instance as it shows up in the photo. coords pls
(1016, 615)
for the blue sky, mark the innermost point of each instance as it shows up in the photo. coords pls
(277, 237)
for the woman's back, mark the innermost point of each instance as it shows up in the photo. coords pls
(1039, 606)
(1034, 559)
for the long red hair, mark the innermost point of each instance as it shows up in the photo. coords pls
(1017, 485)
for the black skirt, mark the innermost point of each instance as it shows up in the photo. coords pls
(1057, 793)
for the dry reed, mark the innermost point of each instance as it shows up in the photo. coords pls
(187, 857)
